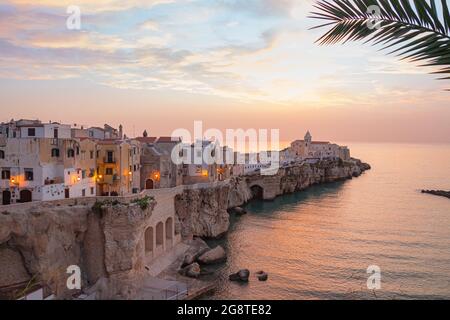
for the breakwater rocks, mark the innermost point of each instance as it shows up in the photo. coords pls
(439, 193)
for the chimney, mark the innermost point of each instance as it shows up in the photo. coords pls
(120, 131)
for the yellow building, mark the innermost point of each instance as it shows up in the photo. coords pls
(117, 167)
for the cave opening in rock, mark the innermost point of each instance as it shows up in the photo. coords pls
(257, 192)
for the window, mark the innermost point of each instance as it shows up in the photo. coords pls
(92, 190)
(91, 134)
(55, 133)
(78, 150)
(70, 153)
(83, 193)
(135, 168)
(6, 174)
(29, 175)
(83, 174)
(98, 153)
(31, 132)
(2, 154)
(91, 172)
(91, 154)
(110, 157)
(109, 172)
(55, 153)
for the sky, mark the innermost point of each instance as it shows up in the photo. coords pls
(160, 65)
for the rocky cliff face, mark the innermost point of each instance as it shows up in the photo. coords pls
(202, 212)
(38, 244)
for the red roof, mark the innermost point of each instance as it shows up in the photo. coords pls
(146, 139)
(168, 139)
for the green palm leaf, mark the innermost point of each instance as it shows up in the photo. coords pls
(416, 30)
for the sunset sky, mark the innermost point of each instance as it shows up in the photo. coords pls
(161, 64)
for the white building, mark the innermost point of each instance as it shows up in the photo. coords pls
(40, 162)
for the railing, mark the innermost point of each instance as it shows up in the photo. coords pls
(109, 160)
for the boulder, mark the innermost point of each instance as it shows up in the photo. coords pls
(213, 256)
(241, 276)
(262, 276)
(239, 211)
(192, 271)
(188, 260)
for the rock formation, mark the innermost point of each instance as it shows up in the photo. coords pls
(213, 256)
(203, 212)
(440, 193)
(39, 244)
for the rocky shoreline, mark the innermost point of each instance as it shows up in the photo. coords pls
(205, 212)
(107, 238)
(217, 204)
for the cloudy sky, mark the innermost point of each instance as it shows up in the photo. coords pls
(161, 64)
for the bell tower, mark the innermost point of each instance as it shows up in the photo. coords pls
(308, 137)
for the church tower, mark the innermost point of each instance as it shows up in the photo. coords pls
(308, 137)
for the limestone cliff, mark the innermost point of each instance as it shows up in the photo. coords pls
(37, 245)
(203, 212)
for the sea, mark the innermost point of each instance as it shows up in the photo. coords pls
(373, 237)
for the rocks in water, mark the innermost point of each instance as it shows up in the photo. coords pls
(241, 276)
(440, 193)
(188, 260)
(213, 256)
(239, 211)
(262, 276)
(192, 271)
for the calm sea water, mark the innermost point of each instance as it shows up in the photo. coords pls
(317, 244)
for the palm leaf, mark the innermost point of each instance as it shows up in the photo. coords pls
(415, 30)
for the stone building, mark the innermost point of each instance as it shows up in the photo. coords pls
(116, 162)
(309, 149)
(200, 162)
(157, 168)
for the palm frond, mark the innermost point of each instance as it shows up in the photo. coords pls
(416, 30)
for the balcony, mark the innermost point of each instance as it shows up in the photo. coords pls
(56, 180)
(109, 160)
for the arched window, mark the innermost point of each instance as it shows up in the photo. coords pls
(2, 154)
(149, 239)
(55, 153)
(169, 232)
(70, 153)
(160, 234)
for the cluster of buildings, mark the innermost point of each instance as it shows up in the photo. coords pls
(52, 161)
(311, 151)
